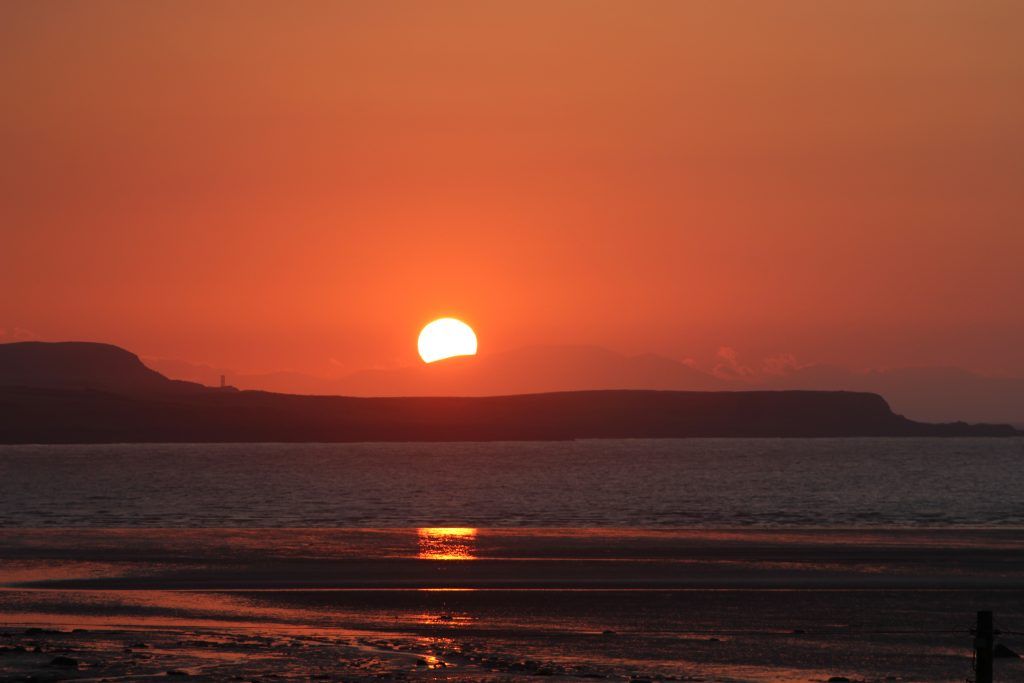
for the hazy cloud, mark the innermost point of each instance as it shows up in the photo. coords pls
(782, 364)
(728, 366)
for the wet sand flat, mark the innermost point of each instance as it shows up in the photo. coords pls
(739, 605)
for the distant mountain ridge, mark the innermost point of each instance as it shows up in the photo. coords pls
(81, 392)
(529, 370)
(934, 394)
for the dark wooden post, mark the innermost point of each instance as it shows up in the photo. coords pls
(983, 643)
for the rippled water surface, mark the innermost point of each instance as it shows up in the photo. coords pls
(627, 483)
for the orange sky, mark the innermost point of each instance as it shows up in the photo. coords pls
(266, 186)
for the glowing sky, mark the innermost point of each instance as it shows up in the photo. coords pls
(305, 184)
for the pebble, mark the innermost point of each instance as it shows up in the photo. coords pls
(61, 660)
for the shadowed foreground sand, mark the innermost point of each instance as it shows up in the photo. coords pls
(485, 603)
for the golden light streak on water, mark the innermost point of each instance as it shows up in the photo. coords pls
(447, 543)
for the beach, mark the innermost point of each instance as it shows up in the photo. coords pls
(478, 603)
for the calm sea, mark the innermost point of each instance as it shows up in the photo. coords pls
(626, 483)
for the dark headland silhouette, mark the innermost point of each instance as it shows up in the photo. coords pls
(924, 393)
(81, 392)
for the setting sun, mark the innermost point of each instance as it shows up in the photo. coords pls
(446, 338)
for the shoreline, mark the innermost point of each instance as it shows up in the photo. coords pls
(745, 606)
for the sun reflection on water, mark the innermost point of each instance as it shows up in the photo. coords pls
(447, 543)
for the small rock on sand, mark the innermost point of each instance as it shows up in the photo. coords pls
(61, 660)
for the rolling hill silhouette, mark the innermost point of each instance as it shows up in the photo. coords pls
(83, 392)
(83, 366)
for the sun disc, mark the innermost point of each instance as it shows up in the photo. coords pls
(446, 338)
